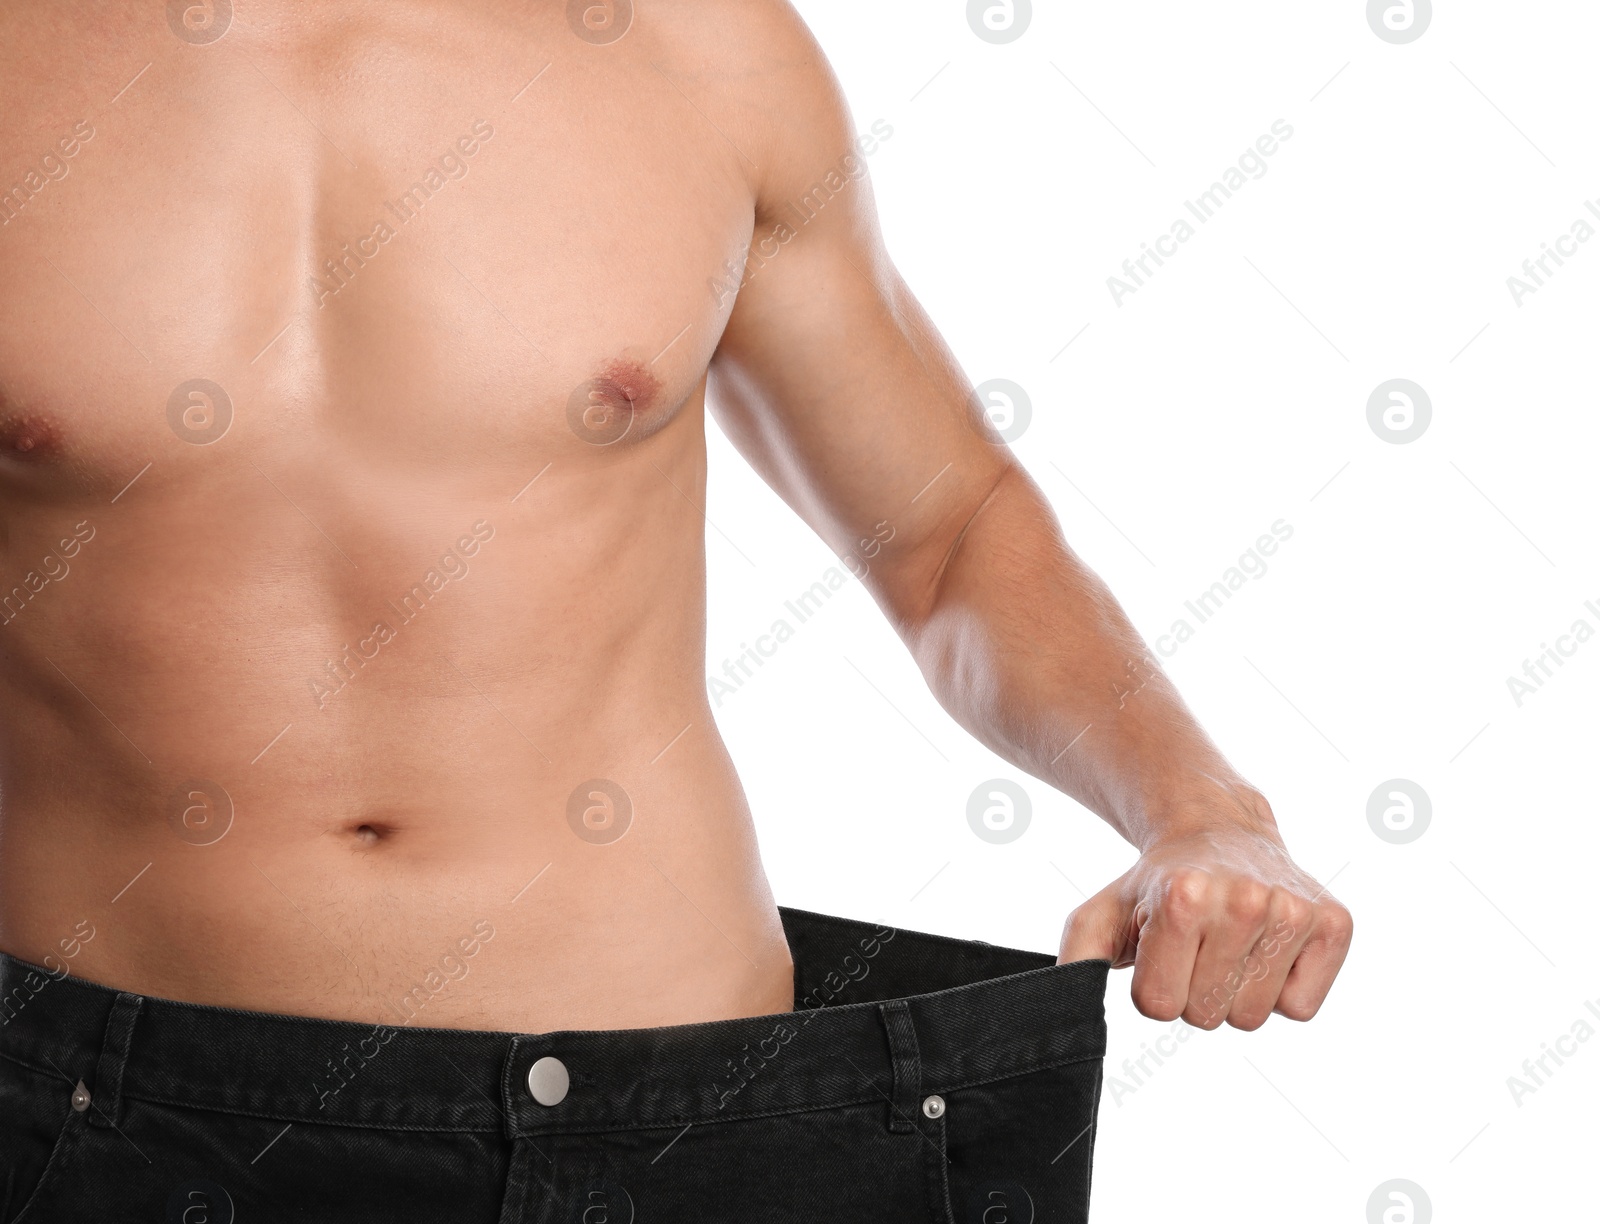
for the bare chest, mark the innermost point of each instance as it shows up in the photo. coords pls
(427, 246)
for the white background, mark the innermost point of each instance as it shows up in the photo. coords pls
(1227, 393)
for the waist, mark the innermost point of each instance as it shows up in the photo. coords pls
(866, 999)
(528, 896)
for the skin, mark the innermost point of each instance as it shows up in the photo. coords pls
(518, 372)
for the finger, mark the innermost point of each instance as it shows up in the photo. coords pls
(1318, 963)
(1268, 963)
(1237, 918)
(1168, 945)
(1099, 929)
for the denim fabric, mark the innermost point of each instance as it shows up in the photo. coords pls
(919, 1079)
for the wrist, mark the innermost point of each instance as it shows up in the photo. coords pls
(1208, 810)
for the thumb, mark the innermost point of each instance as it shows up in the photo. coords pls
(1100, 929)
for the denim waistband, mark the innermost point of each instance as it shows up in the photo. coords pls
(881, 1015)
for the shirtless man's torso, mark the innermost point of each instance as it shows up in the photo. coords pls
(354, 362)
(353, 368)
(384, 581)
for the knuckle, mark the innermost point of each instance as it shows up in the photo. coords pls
(1247, 903)
(1081, 918)
(1341, 926)
(1186, 892)
(1296, 910)
(1155, 1004)
(1298, 1009)
(1207, 1009)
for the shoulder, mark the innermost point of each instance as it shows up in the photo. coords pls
(767, 75)
(766, 36)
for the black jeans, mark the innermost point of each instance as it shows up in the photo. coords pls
(919, 1079)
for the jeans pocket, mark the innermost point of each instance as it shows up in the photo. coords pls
(1021, 1150)
(40, 1134)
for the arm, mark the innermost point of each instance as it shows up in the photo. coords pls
(838, 389)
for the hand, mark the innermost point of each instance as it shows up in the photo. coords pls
(1219, 924)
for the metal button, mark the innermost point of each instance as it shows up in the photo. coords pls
(548, 1081)
(80, 1097)
(933, 1107)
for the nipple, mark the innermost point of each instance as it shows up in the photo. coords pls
(27, 434)
(603, 409)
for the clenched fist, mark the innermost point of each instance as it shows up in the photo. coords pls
(1219, 925)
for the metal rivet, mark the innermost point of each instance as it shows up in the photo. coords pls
(548, 1081)
(933, 1107)
(80, 1097)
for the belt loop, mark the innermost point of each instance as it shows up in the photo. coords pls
(514, 1086)
(906, 1063)
(106, 1098)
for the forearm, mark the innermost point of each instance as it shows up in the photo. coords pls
(1028, 650)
